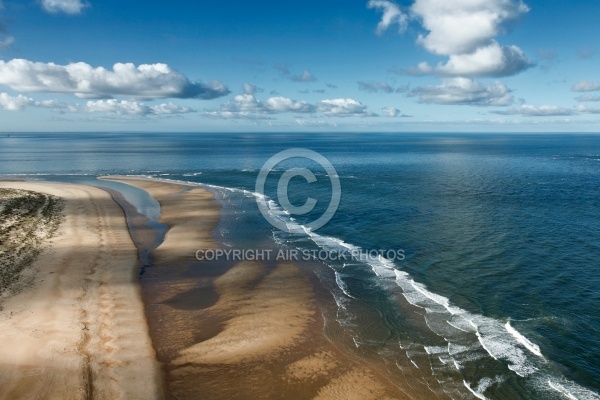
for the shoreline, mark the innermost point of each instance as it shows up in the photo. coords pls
(239, 328)
(187, 329)
(79, 331)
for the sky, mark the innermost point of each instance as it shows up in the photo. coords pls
(351, 65)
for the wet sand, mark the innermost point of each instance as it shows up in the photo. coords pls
(79, 329)
(239, 330)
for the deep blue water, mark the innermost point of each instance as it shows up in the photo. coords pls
(499, 294)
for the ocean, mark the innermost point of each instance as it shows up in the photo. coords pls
(488, 281)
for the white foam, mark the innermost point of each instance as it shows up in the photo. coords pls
(475, 393)
(436, 350)
(561, 389)
(500, 341)
(342, 285)
(534, 348)
(572, 391)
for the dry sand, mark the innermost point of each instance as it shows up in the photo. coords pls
(260, 338)
(79, 331)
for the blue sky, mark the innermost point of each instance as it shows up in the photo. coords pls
(368, 65)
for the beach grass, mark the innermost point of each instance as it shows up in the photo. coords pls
(27, 219)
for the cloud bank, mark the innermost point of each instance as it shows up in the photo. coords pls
(247, 105)
(110, 106)
(146, 81)
(464, 91)
(133, 108)
(527, 110)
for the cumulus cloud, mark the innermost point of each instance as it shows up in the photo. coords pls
(464, 91)
(527, 110)
(586, 86)
(390, 112)
(391, 15)
(14, 103)
(283, 104)
(343, 108)
(462, 27)
(71, 7)
(146, 81)
(111, 106)
(465, 31)
(492, 60)
(588, 109)
(133, 108)
(247, 105)
(19, 102)
(374, 87)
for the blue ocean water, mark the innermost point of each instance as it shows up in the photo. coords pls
(497, 296)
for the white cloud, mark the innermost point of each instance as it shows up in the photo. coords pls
(465, 32)
(120, 107)
(283, 104)
(463, 26)
(170, 108)
(588, 109)
(492, 60)
(343, 108)
(134, 108)
(247, 106)
(111, 106)
(306, 76)
(391, 15)
(244, 103)
(64, 6)
(146, 81)
(390, 112)
(527, 110)
(586, 86)
(464, 91)
(14, 103)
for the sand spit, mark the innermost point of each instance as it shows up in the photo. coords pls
(260, 335)
(79, 330)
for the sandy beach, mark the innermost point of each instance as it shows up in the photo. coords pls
(239, 330)
(78, 329)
